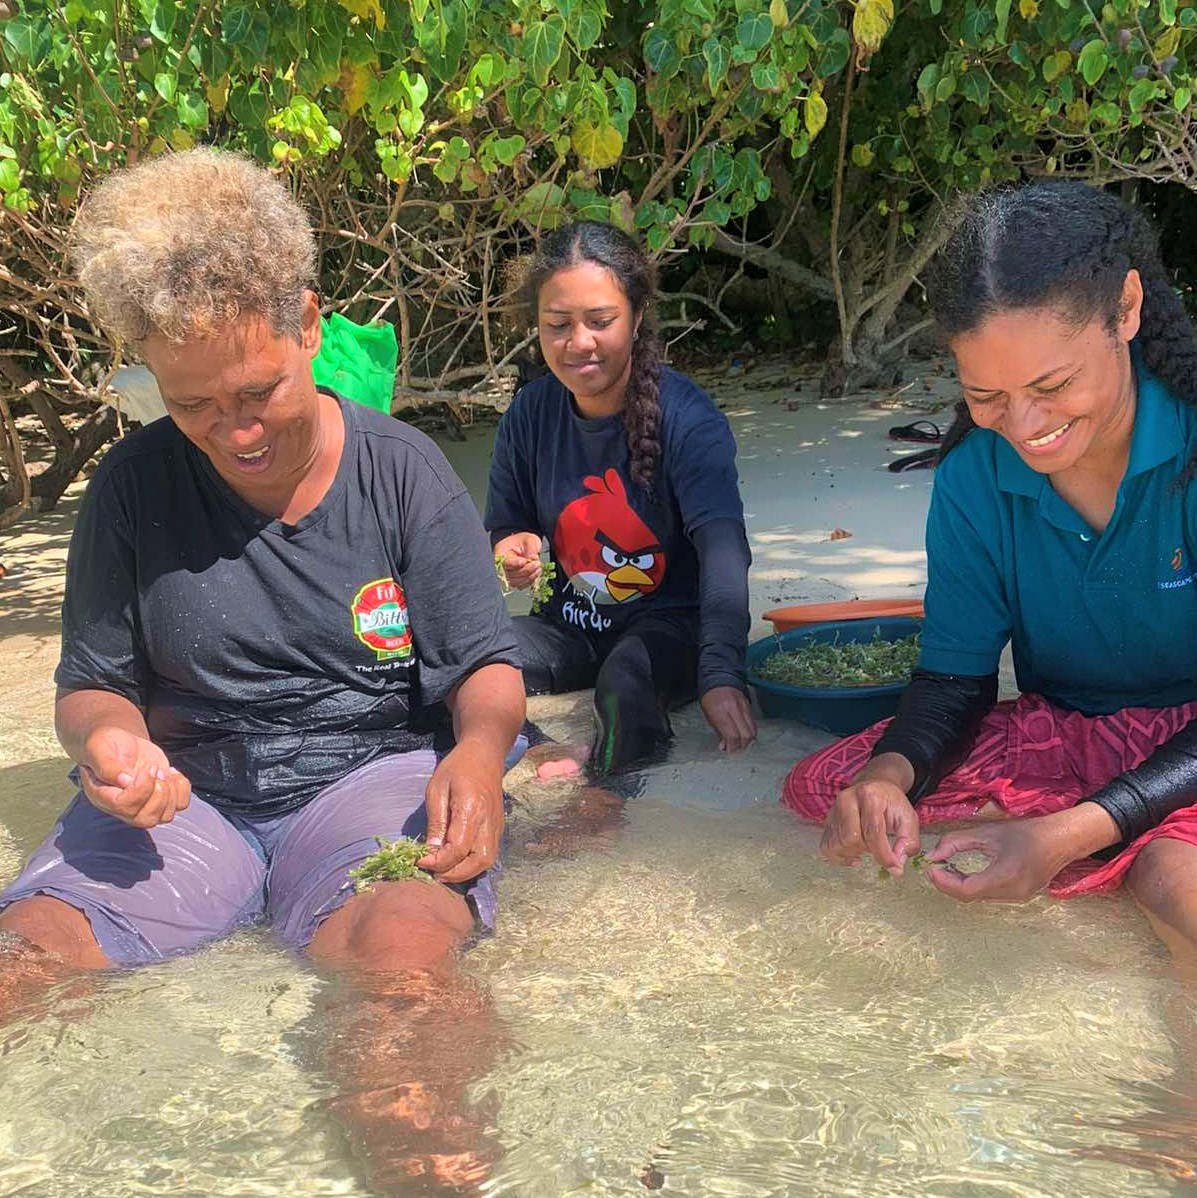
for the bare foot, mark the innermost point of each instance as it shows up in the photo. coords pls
(553, 760)
(563, 767)
(589, 819)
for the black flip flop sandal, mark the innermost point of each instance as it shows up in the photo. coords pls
(925, 459)
(920, 430)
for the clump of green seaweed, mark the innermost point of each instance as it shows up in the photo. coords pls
(395, 861)
(542, 588)
(917, 862)
(853, 663)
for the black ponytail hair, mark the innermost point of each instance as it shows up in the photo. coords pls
(1067, 247)
(610, 247)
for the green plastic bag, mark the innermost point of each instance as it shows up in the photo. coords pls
(357, 361)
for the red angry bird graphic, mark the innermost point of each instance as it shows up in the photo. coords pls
(606, 551)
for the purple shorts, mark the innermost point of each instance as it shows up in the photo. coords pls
(151, 894)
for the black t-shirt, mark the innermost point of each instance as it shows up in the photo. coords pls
(271, 659)
(620, 550)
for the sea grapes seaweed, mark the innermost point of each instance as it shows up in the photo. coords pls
(917, 862)
(854, 663)
(542, 588)
(395, 861)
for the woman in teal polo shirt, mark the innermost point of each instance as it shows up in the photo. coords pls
(1063, 522)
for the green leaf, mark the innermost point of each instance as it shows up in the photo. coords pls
(753, 30)
(162, 23)
(10, 175)
(164, 85)
(507, 149)
(862, 154)
(1168, 11)
(543, 42)
(835, 55)
(718, 60)
(1182, 99)
(974, 86)
(1093, 61)
(927, 80)
(585, 24)
(1108, 113)
(1001, 10)
(234, 25)
(657, 239)
(30, 41)
(766, 77)
(661, 54)
(192, 110)
(541, 206)
(1143, 93)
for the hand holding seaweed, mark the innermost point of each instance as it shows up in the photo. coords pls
(542, 588)
(395, 861)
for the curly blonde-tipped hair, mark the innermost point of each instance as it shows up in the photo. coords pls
(183, 245)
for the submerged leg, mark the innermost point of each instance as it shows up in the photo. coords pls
(1163, 881)
(43, 941)
(408, 1035)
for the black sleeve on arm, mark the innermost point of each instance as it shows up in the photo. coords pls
(936, 724)
(102, 643)
(1153, 790)
(723, 561)
(510, 491)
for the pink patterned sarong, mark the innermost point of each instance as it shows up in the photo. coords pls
(1030, 758)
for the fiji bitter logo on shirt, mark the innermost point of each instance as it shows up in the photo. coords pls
(380, 619)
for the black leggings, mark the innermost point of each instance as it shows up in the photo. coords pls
(649, 668)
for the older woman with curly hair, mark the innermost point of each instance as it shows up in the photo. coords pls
(271, 598)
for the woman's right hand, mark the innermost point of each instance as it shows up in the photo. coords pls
(130, 778)
(873, 815)
(520, 554)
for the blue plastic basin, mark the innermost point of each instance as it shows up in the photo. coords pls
(839, 709)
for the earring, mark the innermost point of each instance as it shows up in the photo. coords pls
(636, 335)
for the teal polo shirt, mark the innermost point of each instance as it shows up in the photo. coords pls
(1096, 621)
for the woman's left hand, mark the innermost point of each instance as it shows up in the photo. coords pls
(1024, 855)
(730, 714)
(465, 813)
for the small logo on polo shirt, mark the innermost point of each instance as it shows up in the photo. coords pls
(1177, 563)
(380, 619)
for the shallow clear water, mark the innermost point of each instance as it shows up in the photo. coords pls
(698, 1003)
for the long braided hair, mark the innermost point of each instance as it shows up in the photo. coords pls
(1066, 247)
(610, 247)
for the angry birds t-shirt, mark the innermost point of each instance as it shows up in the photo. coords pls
(620, 549)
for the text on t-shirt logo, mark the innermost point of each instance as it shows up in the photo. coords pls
(380, 619)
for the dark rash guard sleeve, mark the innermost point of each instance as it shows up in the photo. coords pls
(936, 724)
(723, 561)
(1165, 782)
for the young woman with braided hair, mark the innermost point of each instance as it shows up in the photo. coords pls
(628, 469)
(1064, 522)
